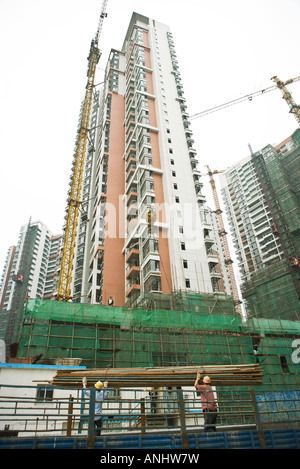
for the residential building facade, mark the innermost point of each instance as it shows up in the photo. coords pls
(53, 267)
(146, 226)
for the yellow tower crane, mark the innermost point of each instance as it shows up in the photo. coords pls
(294, 108)
(65, 278)
(228, 260)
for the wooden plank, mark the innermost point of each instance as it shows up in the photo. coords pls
(227, 375)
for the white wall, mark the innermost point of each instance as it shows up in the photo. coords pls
(20, 409)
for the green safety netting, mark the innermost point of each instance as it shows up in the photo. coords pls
(271, 326)
(103, 336)
(127, 317)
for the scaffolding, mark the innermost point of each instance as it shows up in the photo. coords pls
(283, 209)
(20, 289)
(271, 294)
(274, 291)
(115, 337)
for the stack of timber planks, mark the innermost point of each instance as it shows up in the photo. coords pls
(227, 375)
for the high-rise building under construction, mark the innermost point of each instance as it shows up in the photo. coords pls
(261, 195)
(144, 229)
(30, 270)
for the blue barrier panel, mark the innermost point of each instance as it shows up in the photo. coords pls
(283, 439)
(207, 441)
(279, 407)
(275, 439)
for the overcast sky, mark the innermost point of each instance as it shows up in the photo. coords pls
(225, 49)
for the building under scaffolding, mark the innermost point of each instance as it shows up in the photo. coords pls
(271, 293)
(261, 194)
(116, 337)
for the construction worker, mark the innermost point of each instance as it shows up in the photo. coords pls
(209, 405)
(110, 301)
(153, 399)
(99, 398)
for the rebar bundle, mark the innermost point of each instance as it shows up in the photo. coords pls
(227, 375)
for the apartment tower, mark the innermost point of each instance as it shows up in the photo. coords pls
(261, 195)
(30, 271)
(146, 230)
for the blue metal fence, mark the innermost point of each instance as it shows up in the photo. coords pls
(32, 419)
(274, 439)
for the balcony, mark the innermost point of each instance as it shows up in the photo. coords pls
(132, 226)
(133, 272)
(134, 287)
(215, 272)
(212, 257)
(200, 197)
(132, 197)
(198, 186)
(130, 155)
(132, 209)
(130, 173)
(133, 256)
(209, 241)
(193, 158)
(131, 162)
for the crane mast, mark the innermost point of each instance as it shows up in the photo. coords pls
(228, 260)
(65, 278)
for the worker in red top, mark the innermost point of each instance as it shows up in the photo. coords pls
(208, 402)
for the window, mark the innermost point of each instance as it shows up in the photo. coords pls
(172, 161)
(177, 200)
(152, 265)
(187, 283)
(174, 174)
(175, 186)
(44, 394)
(152, 284)
(150, 246)
(284, 365)
(180, 229)
(185, 264)
(182, 246)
